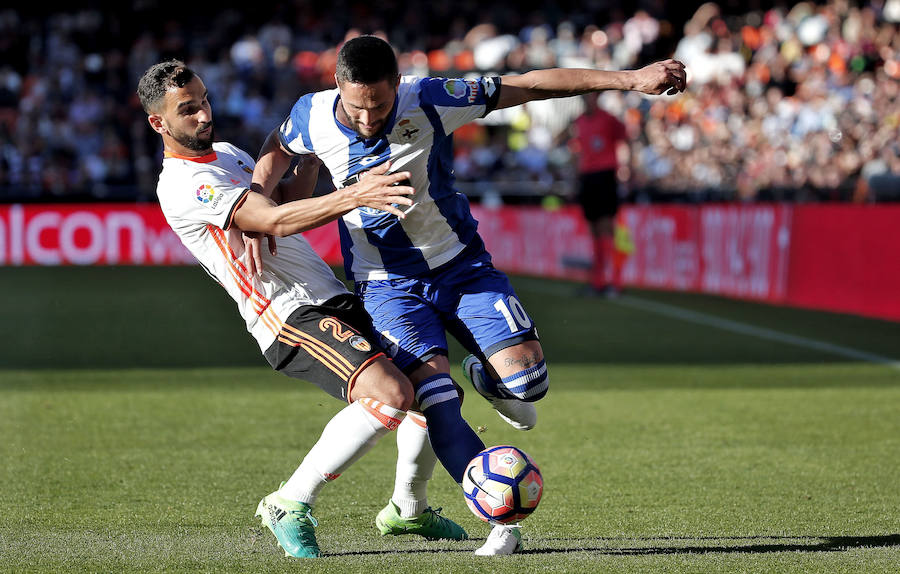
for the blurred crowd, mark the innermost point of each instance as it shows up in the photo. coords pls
(797, 102)
(783, 102)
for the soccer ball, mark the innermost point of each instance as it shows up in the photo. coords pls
(502, 485)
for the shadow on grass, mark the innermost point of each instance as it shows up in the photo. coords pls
(705, 545)
(815, 544)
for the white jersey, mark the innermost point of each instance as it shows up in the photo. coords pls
(199, 196)
(417, 138)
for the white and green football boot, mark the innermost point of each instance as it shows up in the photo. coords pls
(430, 524)
(292, 523)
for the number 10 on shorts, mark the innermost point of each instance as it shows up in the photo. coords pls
(514, 313)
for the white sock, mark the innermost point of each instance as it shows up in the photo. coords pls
(349, 434)
(415, 465)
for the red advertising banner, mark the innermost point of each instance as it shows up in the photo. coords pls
(745, 250)
(667, 248)
(534, 241)
(835, 257)
(106, 234)
(95, 234)
(846, 258)
(326, 242)
(738, 251)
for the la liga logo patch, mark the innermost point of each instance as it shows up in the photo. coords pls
(455, 88)
(205, 193)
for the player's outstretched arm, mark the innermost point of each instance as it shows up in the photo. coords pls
(302, 182)
(271, 165)
(667, 76)
(300, 185)
(377, 190)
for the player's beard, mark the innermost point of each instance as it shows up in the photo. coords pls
(379, 127)
(196, 142)
(357, 127)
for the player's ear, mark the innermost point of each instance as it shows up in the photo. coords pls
(156, 122)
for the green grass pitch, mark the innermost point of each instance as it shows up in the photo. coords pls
(682, 433)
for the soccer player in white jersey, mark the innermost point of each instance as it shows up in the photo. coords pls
(306, 323)
(428, 273)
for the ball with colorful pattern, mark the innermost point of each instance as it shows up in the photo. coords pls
(502, 485)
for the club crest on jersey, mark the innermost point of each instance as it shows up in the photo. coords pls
(360, 344)
(406, 131)
(455, 88)
(245, 167)
(207, 195)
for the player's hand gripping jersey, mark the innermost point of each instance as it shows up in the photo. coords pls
(417, 138)
(199, 196)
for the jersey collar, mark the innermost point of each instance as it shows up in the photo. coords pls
(198, 159)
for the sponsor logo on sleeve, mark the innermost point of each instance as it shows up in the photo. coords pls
(474, 88)
(455, 88)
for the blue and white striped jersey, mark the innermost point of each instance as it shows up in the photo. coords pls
(417, 138)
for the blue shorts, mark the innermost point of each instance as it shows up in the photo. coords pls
(466, 297)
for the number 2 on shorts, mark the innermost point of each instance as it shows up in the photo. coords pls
(337, 330)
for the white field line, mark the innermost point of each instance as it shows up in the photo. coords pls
(745, 329)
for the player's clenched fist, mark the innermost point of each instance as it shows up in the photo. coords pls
(667, 76)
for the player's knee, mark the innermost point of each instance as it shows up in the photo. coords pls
(399, 395)
(384, 382)
(529, 384)
(399, 392)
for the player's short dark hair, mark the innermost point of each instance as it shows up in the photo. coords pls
(366, 60)
(159, 78)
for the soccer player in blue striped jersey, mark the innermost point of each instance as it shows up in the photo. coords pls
(426, 272)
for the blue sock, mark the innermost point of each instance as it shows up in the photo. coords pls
(453, 440)
(528, 384)
(485, 383)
